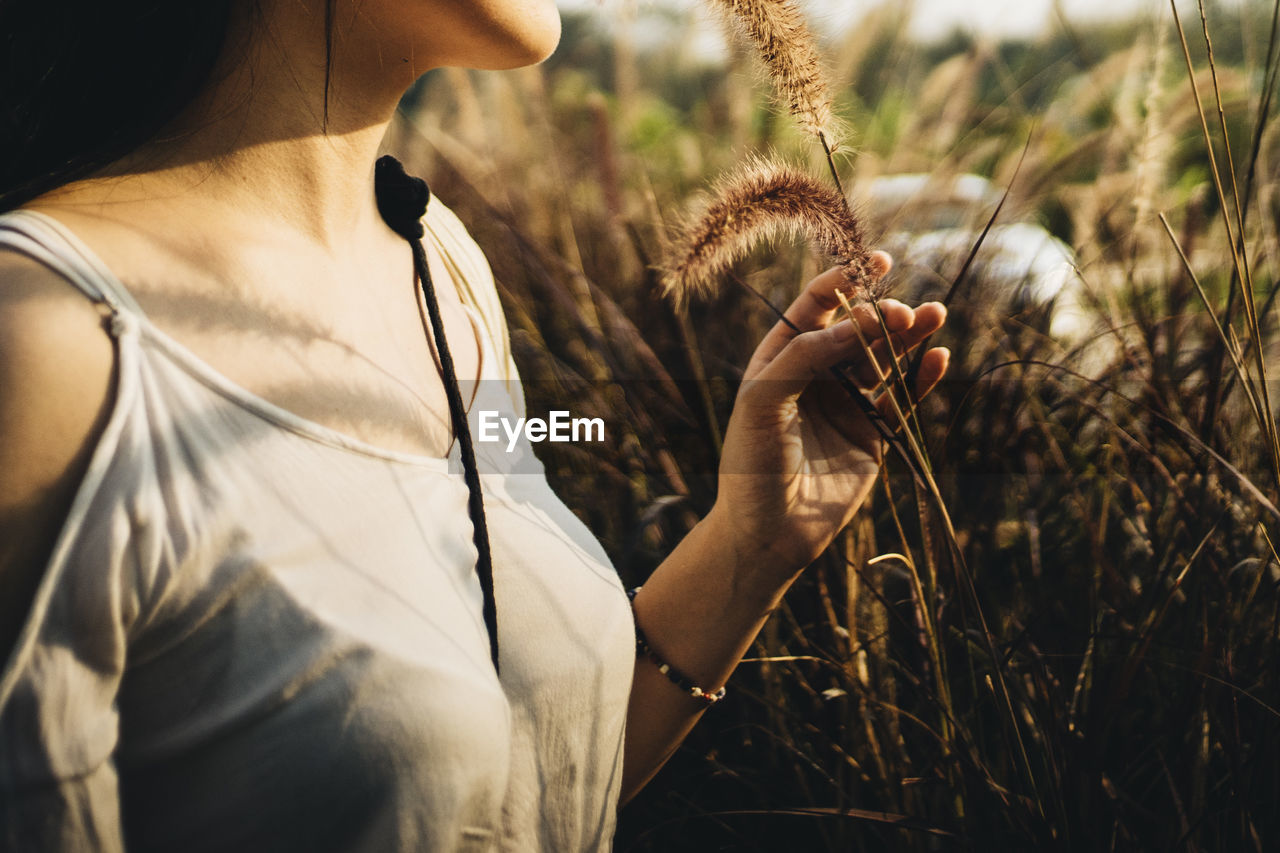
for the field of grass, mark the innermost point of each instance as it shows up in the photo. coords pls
(1092, 661)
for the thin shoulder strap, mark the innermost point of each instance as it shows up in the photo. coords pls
(48, 241)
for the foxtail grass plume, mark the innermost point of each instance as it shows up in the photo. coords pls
(762, 201)
(777, 28)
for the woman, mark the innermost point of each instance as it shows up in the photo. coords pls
(237, 564)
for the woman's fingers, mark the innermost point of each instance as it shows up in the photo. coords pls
(881, 263)
(805, 357)
(898, 318)
(814, 308)
(808, 355)
(928, 319)
(933, 366)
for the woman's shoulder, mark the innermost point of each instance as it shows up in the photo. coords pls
(56, 364)
(55, 350)
(56, 360)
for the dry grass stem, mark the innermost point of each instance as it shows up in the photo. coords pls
(1234, 236)
(762, 201)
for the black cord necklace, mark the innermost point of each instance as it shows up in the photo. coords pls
(402, 201)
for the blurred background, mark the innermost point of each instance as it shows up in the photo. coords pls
(931, 19)
(1074, 643)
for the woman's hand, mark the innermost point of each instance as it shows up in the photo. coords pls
(800, 456)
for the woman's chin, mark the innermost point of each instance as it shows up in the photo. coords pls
(482, 34)
(533, 43)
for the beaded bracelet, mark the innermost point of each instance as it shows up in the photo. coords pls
(678, 678)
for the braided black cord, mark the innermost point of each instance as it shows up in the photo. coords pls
(402, 201)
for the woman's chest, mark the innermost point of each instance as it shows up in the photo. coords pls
(305, 602)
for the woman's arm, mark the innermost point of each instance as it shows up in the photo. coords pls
(799, 459)
(56, 395)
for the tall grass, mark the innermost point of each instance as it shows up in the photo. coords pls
(1092, 662)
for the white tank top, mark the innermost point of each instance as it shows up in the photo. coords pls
(256, 633)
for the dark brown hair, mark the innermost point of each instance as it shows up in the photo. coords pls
(85, 82)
